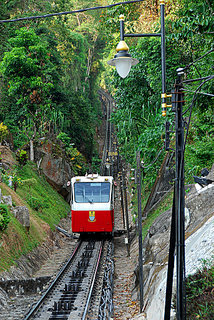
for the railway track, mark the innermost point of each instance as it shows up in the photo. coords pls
(83, 288)
(79, 290)
(107, 149)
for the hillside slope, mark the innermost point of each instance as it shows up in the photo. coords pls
(45, 206)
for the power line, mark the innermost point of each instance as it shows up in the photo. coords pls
(159, 153)
(203, 93)
(196, 79)
(195, 94)
(192, 63)
(70, 12)
(191, 107)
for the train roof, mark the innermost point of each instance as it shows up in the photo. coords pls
(92, 177)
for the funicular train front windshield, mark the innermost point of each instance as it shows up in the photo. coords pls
(92, 192)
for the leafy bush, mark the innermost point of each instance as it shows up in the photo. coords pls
(3, 131)
(95, 163)
(77, 160)
(199, 149)
(200, 295)
(10, 178)
(22, 157)
(64, 137)
(5, 177)
(4, 217)
(37, 204)
(16, 181)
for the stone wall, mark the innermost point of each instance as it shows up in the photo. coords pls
(51, 161)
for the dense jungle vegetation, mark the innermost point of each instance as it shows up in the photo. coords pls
(51, 69)
(189, 36)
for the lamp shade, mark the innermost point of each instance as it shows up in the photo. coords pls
(123, 62)
(123, 66)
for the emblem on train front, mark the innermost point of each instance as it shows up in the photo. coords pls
(91, 216)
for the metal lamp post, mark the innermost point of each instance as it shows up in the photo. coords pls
(123, 62)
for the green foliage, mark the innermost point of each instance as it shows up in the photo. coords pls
(10, 178)
(16, 240)
(51, 71)
(95, 164)
(16, 181)
(22, 157)
(138, 105)
(64, 137)
(4, 217)
(200, 296)
(29, 182)
(194, 18)
(44, 201)
(28, 74)
(37, 204)
(199, 150)
(19, 242)
(162, 207)
(3, 131)
(6, 177)
(51, 67)
(76, 159)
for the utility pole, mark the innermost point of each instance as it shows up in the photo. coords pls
(177, 236)
(179, 200)
(127, 240)
(121, 196)
(140, 259)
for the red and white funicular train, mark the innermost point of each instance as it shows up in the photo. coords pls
(92, 204)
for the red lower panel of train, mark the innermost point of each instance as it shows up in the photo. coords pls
(92, 221)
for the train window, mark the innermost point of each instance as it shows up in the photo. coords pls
(92, 192)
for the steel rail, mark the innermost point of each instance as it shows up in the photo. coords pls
(108, 135)
(102, 167)
(53, 283)
(106, 304)
(93, 282)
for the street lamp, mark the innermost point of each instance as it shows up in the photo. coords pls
(123, 61)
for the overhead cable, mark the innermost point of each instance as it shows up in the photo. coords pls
(203, 93)
(159, 153)
(196, 79)
(191, 107)
(196, 92)
(192, 63)
(70, 12)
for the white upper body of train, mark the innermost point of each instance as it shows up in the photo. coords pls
(92, 192)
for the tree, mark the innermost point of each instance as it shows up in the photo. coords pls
(29, 76)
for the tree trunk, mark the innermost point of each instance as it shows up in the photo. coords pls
(31, 150)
